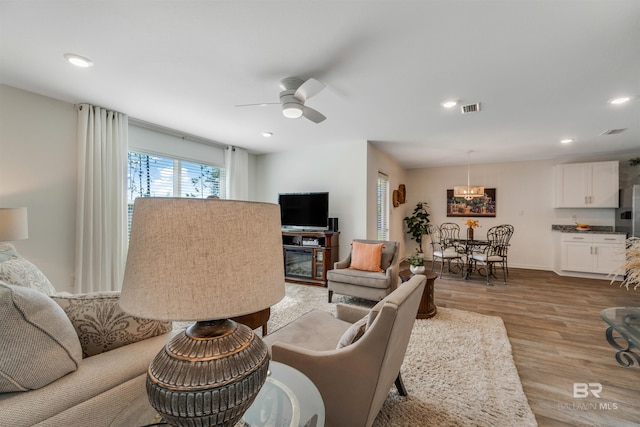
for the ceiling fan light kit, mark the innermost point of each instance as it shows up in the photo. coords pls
(291, 110)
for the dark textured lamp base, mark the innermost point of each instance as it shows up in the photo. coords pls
(208, 375)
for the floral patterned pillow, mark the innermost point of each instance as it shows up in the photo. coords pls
(102, 325)
(16, 270)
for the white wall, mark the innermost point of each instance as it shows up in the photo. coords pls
(379, 161)
(38, 170)
(340, 169)
(524, 196)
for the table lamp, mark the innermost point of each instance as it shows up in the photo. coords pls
(13, 224)
(206, 261)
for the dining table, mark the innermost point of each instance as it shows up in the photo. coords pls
(468, 247)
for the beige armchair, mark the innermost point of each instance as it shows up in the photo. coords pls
(354, 380)
(369, 285)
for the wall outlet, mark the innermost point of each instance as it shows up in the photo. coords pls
(574, 218)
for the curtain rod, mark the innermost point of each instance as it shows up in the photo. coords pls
(168, 131)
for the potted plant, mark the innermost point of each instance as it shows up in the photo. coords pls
(416, 263)
(631, 268)
(418, 223)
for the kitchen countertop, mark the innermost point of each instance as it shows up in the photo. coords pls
(595, 229)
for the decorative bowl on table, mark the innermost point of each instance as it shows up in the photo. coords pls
(582, 227)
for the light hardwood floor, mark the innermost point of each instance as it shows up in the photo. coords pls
(558, 339)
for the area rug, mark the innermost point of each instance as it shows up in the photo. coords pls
(458, 369)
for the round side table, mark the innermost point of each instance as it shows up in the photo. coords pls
(288, 398)
(427, 308)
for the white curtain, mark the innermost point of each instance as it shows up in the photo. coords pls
(237, 168)
(101, 227)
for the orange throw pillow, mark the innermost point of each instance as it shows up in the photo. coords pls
(366, 256)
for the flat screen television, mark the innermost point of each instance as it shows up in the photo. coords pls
(304, 210)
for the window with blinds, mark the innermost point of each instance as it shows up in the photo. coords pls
(150, 175)
(383, 207)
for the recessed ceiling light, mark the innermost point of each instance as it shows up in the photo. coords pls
(449, 104)
(78, 61)
(566, 141)
(267, 134)
(619, 100)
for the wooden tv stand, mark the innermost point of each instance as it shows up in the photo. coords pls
(308, 255)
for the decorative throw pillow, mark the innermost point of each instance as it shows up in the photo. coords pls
(16, 270)
(39, 344)
(366, 256)
(353, 334)
(373, 313)
(101, 324)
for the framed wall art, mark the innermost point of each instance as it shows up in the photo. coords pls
(478, 206)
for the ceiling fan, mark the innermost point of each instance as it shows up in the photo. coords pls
(295, 92)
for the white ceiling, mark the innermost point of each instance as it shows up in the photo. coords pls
(542, 70)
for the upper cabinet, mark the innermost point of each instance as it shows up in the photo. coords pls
(587, 185)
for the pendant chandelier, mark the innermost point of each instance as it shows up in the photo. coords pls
(468, 191)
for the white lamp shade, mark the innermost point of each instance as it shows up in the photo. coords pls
(202, 259)
(13, 224)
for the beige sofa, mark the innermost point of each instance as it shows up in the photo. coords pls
(353, 358)
(67, 360)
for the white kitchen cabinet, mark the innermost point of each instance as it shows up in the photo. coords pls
(592, 252)
(587, 185)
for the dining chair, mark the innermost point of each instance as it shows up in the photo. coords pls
(443, 242)
(511, 230)
(495, 252)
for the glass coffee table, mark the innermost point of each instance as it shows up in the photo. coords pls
(623, 333)
(287, 399)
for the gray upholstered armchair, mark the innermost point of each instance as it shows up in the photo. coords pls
(354, 359)
(371, 285)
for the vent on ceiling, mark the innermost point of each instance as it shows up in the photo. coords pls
(470, 108)
(613, 131)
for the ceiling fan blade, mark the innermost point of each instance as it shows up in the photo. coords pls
(308, 89)
(262, 104)
(313, 115)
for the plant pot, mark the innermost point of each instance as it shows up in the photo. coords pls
(417, 269)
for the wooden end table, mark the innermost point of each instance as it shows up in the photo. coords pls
(255, 320)
(427, 308)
